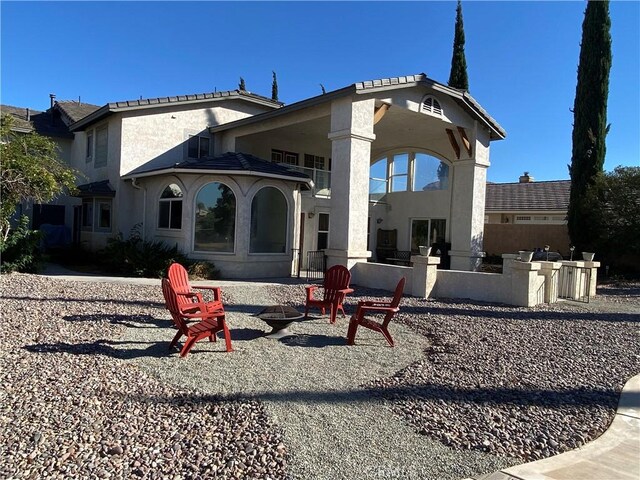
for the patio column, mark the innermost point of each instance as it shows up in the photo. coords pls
(467, 208)
(351, 136)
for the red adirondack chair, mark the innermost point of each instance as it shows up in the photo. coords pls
(186, 294)
(210, 321)
(335, 289)
(371, 307)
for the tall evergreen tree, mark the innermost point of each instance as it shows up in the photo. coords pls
(241, 85)
(458, 76)
(274, 88)
(590, 126)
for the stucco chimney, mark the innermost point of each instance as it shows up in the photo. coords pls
(526, 178)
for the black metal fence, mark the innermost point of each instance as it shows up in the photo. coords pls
(316, 264)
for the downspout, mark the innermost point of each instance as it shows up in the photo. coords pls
(134, 184)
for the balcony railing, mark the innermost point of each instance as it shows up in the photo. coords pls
(321, 179)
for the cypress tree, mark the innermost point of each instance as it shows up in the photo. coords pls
(590, 127)
(274, 87)
(241, 85)
(458, 76)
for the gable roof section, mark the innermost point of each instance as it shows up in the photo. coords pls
(466, 101)
(533, 196)
(230, 163)
(149, 103)
(74, 111)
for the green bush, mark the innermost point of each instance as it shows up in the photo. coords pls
(21, 252)
(139, 258)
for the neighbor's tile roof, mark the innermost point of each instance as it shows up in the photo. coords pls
(508, 197)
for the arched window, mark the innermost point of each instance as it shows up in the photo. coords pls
(170, 208)
(430, 104)
(429, 173)
(215, 219)
(268, 222)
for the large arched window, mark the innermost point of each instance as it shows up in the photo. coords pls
(215, 219)
(429, 173)
(407, 171)
(268, 222)
(170, 208)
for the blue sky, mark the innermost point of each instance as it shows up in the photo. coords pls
(521, 58)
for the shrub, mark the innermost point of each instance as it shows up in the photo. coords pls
(21, 252)
(139, 258)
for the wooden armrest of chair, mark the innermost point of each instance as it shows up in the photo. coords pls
(216, 291)
(378, 308)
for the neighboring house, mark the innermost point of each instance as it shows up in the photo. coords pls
(526, 215)
(245, 182)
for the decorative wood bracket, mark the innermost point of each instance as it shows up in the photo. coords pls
(454, 143)
(379, 112)
(465, 140)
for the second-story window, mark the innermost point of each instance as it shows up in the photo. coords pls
(102, 143)
(89, 156)
(198, 146)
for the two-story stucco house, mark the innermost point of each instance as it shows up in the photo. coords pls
(246, 182)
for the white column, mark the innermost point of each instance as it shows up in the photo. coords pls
(467, 209)
(351, 136)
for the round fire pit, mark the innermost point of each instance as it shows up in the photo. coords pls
(279, 317)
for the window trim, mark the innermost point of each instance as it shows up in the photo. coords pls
(170, 202)
(287, 222)
(99, 162)
(193, 221)
(200, 153)
(89, 147)
(411, 169)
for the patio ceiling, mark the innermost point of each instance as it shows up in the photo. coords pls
(398, 128)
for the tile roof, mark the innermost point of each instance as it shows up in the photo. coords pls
(45, 123)
(533, 196)
(126, 105)
(237, 161)
(96, 189)
(233, 162)
(76, 110)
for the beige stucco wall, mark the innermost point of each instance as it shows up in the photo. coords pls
(240, 263)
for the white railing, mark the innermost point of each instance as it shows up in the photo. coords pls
(321, 179)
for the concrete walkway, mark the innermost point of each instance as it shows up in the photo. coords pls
(615, 455)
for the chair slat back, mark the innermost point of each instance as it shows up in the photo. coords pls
(171, 303)
(397, 295)
(337, 278)
(179, 278)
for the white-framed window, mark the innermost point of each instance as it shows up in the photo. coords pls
(97, 214)
(315, 161)
(170, 208)
(198, 146)
(103, 215)
(89, 151)
(407, 171)
(268, 232)
(427, 231)
(323, 231)
(288, 158)
(399, 173)
(215, 219)
(102, 146)
(431, 105)
(87, 214)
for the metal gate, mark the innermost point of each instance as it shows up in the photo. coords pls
(574, 283)
(316, 264)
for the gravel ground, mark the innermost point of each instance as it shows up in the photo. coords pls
(93, 392)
